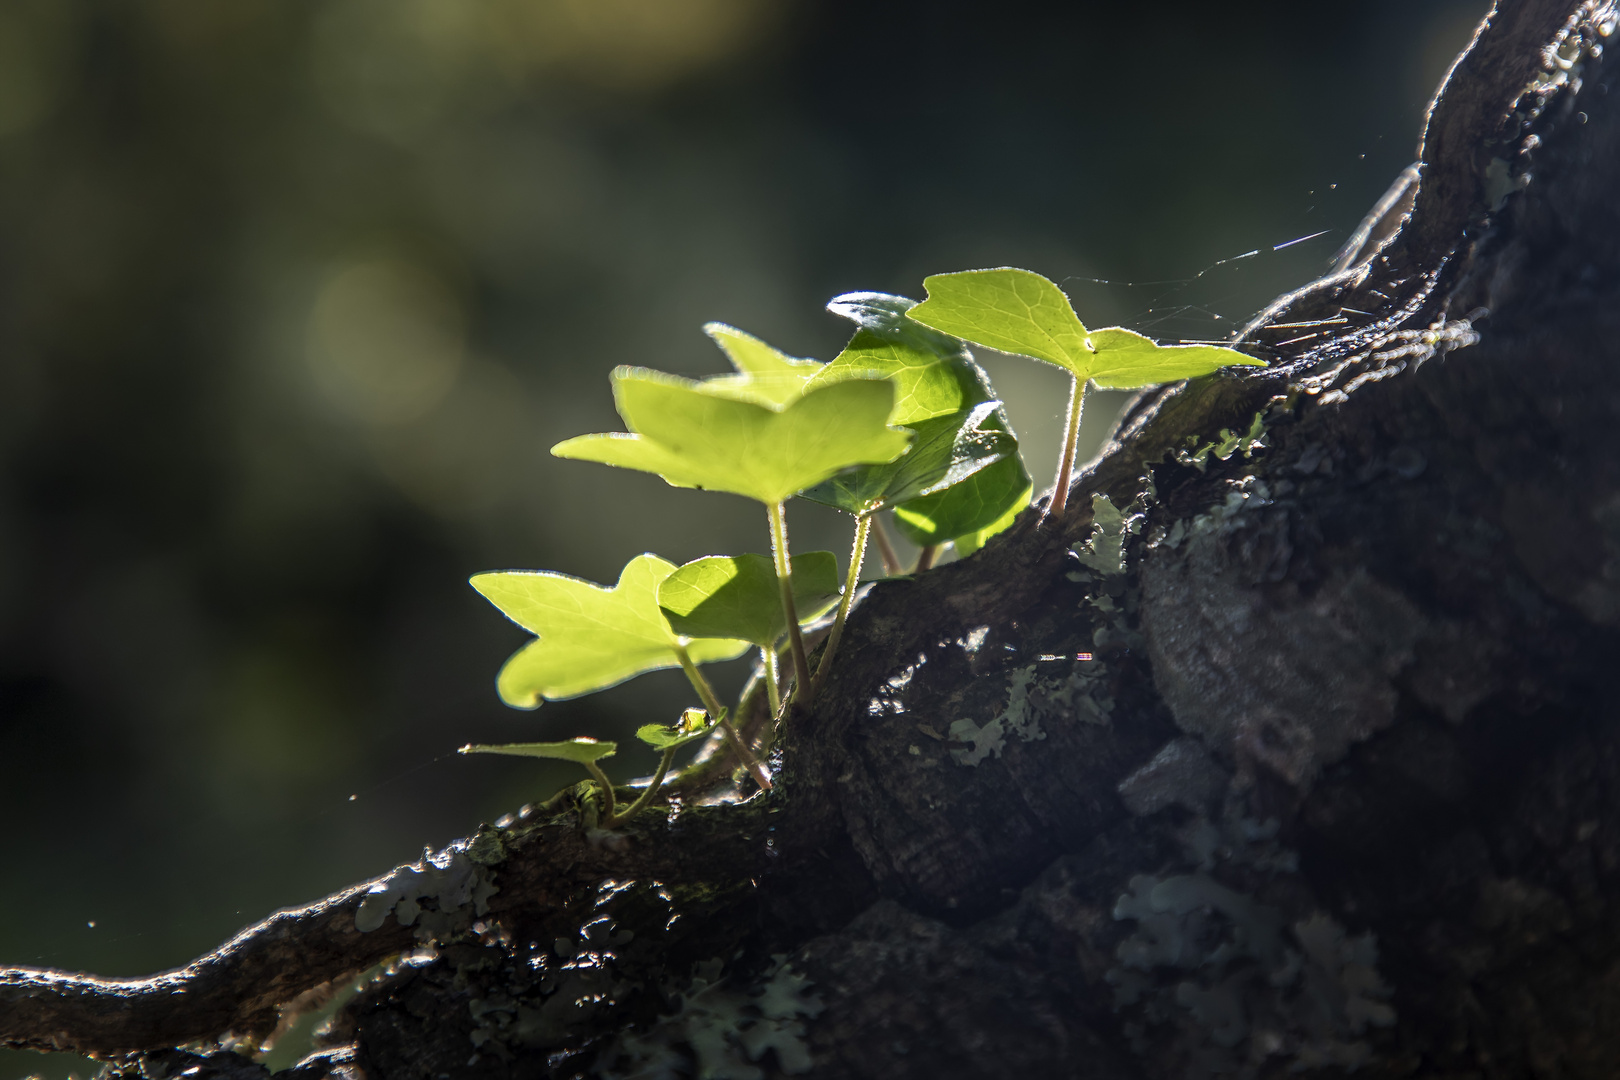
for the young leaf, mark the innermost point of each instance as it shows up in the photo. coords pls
(582, 750)
(738, 597)
(764, 374)
(694, 435)
(1008, 309)
(588, 637)
(1126, 360)
(694, 726)
(947, 450)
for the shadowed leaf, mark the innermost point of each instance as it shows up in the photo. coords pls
(738, 597)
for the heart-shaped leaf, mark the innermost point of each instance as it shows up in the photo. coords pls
(583, 751)
(764, 374)
(738, 596)
(947, 450)
(588, 637)
(694, 435)
(693, 727)
(1020, 312)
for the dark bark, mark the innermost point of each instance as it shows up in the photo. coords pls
(1336, 784)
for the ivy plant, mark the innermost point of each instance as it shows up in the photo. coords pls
(1020, 312)
(705, 435)
(901, 420)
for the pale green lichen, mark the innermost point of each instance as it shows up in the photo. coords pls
(1104, 550)
(1249, 493)
(1079, 695)
(1254, 986)
(721, 1033)
(432, 893)
(1227, 443)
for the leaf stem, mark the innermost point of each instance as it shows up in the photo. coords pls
(927, 557)
(712, 703)
(891, 560)
(606, 785)
(767, 660)
(646, 796)
(1071, 436)
(706, 692)
(857, 556)
(784, 581)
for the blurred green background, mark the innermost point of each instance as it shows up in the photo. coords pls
(295, 296)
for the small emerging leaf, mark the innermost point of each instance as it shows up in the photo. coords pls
(695, 435)
(738, 597)
(694, 726)
(947, 450)
(588, 637)
(582, 750)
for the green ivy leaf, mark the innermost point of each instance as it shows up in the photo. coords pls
(969, 513)
(764, 374)
(588, 637)
(693, 727)
(1020, 312)
(933, 373)
(1013, 310)
(1126, 360)
(694, 435)
(936, 376)
(969, 542)
(738, 597)
(947, 450)
(583, 751)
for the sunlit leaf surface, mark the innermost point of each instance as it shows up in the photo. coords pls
(694, 435)
(588, 637)
(581, 750)
(1021, 312)
(935, 375)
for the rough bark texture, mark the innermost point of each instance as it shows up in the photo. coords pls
(1324, 774)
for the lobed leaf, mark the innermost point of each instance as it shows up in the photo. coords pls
(935, 375)
(946, 451)
(764, 374)
(1021, 312)
(588, 637)
(694, 435)
(581, 750)
(738, 597)
(1013, 310)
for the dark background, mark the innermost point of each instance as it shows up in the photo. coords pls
(295, 296)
